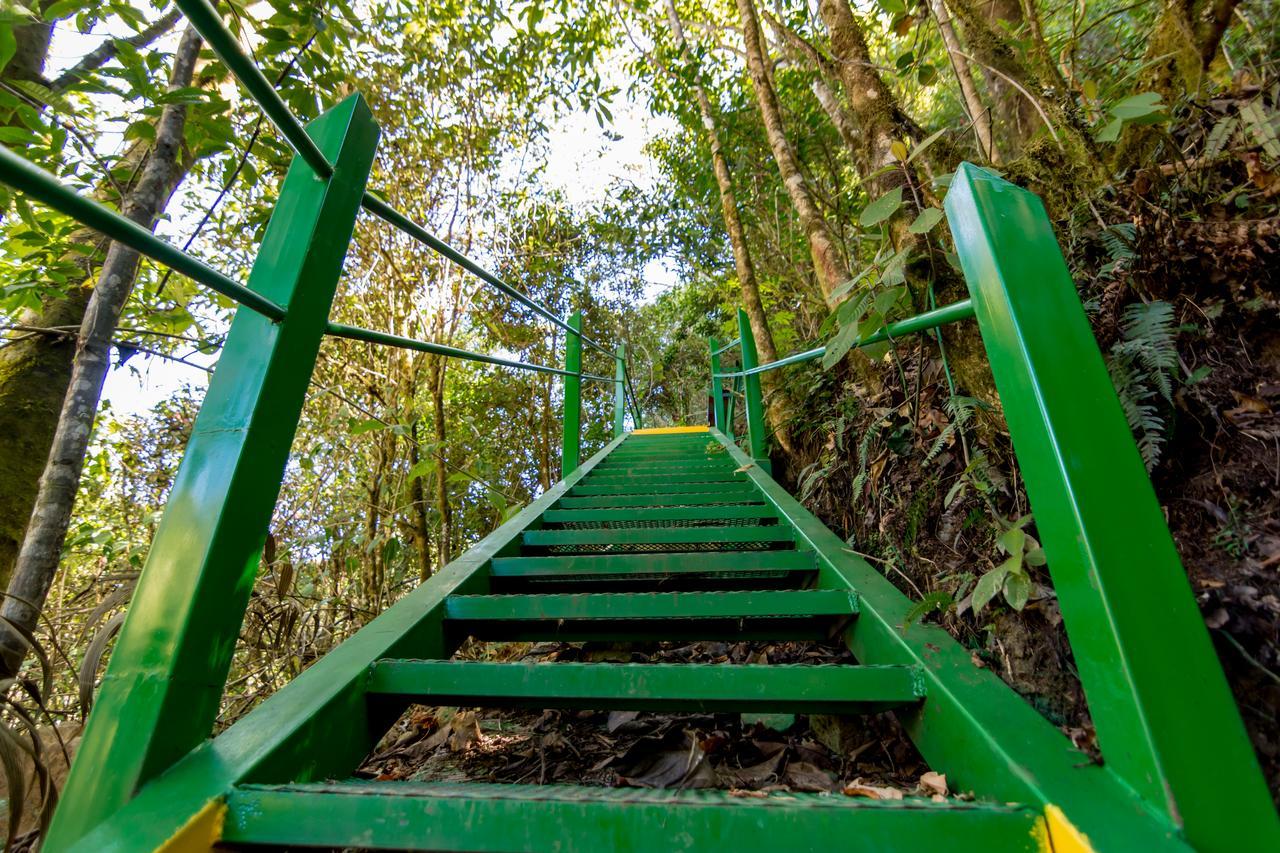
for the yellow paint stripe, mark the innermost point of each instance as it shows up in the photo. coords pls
(1063, 835)
(199, 834)
(670, 430)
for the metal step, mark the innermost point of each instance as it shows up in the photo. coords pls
(727, 490)
(772, 688)
(668, 476)
(652, 616)
(716, 563)
(489, 818)
(675, 536)
(645, 515)
(707, 498)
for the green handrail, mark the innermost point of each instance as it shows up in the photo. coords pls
(956, 311)
(355, 333)
(28, 178)
(207, 22)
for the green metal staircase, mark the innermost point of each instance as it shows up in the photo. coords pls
(664, 534)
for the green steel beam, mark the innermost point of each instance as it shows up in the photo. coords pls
(725, 348)
(620, 536)
(700, 499)
(620, 392)
(974, 728)
(398, 220)
(772, 688)
(653, 605)
(571, 432)
(716, 390)
(706, 563)
(953, 313)
(30, 180)
(319, 725)
(1136, 633)
(204, 17)
(355, 333)
(492, 818)
(754, 406)
(656, 514)
(161, 692)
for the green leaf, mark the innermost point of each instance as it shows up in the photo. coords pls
(838, 346)
(928, 218)
(893, 7)
(1017, 589)
(361, 427)
(882, 208)
(1138, 106)
(987, 587)
(1111, 132)
(925, 143)
(1012, 542)
(8, 44)
(1260, 128)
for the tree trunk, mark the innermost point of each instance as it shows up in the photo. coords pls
(779, 404)
(1039, 98)
(37, 562)
(977, 111)
(829, 264)
(880, 119)
(35, 372)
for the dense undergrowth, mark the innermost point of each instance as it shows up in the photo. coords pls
(1182, 287)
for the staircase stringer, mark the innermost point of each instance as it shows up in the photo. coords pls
(973, 726)
(318, 725)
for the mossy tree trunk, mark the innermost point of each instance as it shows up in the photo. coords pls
(778, 408)
(38, 559)
(829, 264)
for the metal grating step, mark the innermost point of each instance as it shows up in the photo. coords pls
(651, 616)
(489, 818)
(682, 499)
(653, 565)
(774, 688)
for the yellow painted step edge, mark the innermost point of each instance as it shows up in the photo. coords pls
(199, 834)
(669, 430)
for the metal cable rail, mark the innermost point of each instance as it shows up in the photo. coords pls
(956, 311)
(35, 182)
(209, 24)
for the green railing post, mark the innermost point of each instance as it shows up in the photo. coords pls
(163, 687)
(730, 408)
(754, 407)
(1165, 718)
(620, 391)
(571, 440)
(717, 386)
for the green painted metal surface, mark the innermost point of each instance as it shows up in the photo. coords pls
(652, 514)
(682, 499)
(830, 689)
(753, 403)
(620, 392)
(653, 605)
(734, 489)
(502, 818)
(653, 564)
(1137, 635)
(716, 390)
(571, 429)
(160, 695)
(659, 535)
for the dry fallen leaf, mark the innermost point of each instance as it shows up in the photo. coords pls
(746, 467)
(858, 788)
(934, 783)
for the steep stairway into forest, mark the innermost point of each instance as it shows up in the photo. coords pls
(663, 534)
